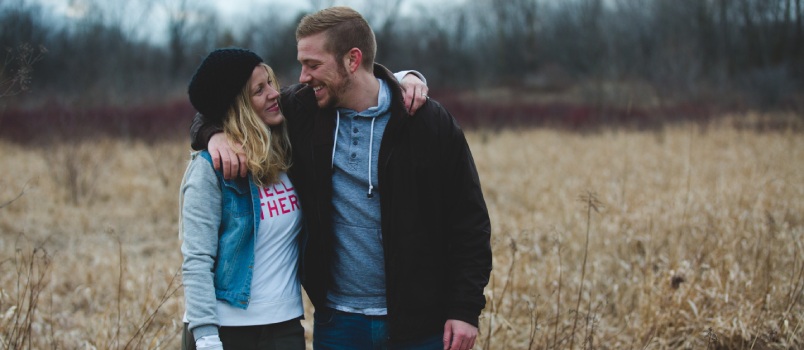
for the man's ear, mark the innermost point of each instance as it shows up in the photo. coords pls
(353, 59)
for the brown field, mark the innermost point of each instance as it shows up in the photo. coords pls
(693, 240)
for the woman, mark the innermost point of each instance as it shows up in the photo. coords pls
(240, 268)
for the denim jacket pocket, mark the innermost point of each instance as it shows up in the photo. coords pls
(237, 198)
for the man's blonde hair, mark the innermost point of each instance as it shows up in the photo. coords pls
(267, 148)
(345, 28)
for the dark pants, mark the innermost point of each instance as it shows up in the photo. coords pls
(284, 335)
(338, 330)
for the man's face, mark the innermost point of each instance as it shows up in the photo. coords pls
(325, 74)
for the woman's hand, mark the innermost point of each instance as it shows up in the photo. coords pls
(414, 91)
(209, 342)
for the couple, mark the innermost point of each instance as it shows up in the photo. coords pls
(393, 247)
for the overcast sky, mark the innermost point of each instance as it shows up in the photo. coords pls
(232, 7)
(228, 10)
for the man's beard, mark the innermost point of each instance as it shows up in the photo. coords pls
(337, 91)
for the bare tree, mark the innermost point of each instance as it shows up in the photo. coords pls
(382, 14)
(798, 42)
(192, 30)
(109, 53)
(178, 21)
(17, 68)
(382, 17)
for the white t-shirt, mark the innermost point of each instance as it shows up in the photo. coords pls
(275, 289)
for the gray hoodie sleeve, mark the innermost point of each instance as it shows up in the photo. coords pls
(201, 217)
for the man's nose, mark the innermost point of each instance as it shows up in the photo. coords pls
(304, 77)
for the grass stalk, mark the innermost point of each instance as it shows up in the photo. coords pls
(592, 203)
(121, 270)
(32, 268)
(136, 340)
(558, 296)
(7, 203)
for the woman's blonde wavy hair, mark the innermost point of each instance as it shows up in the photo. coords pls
(267, 148)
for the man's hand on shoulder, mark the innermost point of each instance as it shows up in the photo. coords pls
(231, 161)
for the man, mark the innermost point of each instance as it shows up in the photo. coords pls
(397, 251)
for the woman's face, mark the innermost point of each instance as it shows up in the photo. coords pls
(264, 98)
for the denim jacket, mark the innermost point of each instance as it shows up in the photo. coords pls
(216, 215)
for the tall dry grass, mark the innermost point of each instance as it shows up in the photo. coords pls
(684, 238)
(97, 223)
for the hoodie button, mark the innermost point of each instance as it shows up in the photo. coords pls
(355, 130)
(354, 155)
(354, 142)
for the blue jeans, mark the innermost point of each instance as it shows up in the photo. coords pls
(338, 330)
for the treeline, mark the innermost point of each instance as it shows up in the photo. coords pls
(604, 52)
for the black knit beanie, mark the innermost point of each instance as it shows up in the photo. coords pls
(218, 80)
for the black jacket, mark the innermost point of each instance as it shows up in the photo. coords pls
(436, 228)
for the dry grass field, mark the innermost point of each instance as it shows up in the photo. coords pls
(688, 237)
